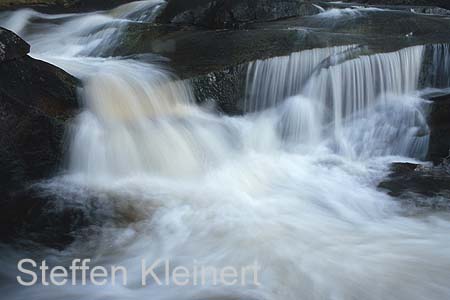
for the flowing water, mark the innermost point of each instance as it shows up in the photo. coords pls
(290, 185)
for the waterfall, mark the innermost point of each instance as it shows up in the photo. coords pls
(291, 185)
(371, 82)
(272, 80)
(436, 68)
(89, 34)
(126, 128)
(338, 87)
(353, 85)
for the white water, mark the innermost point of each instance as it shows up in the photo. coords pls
(273, 80)
(288, 187)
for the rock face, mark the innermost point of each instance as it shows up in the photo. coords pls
(36, 99)
(232, 13)
(55, 6)
(419, 186)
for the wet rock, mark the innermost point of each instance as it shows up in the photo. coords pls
(34, 215)
(374, 23)
(61, 6)
(439, 123)
(194, 52)
(55, 213)
(223, 90)
(420, 186)
(232, 13)
(36, 101)
(11, 46)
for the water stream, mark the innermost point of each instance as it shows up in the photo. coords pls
(291, 184)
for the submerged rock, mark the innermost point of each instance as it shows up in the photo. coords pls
(232, 13)
(36, 101)
(420, 186)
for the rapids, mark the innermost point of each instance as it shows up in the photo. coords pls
(291, 184)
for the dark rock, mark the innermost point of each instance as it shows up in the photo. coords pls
(373, 23)
(11, 46)
(420, 186)
(223, 89)
(37, 216)
(55, 213)
(61, 6)
(439, 123)
(194, 52)
(36, 101)
(199, 52)
(232, 13)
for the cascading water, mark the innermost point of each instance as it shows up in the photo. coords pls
(435, 70)
(366, 85)
(292, 187)
(339, 90)
(272, 80)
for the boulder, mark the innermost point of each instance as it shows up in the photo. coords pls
(232, 13)
(36, 101)
(61, 6)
